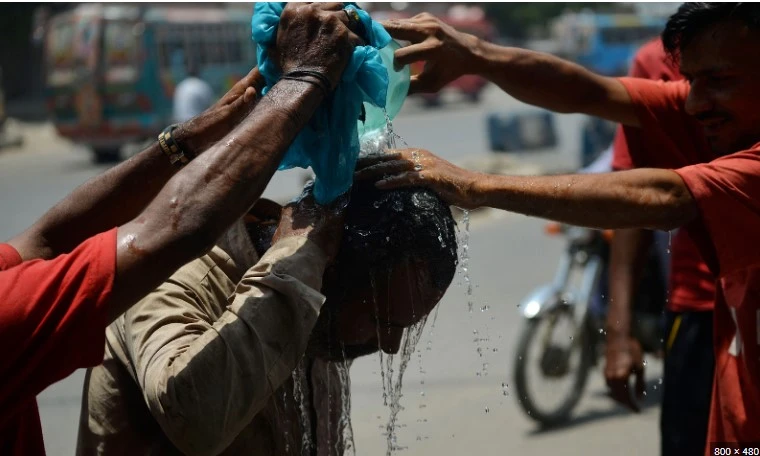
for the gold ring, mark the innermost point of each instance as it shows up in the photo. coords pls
(354, 21)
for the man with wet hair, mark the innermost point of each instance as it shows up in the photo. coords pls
(397, 258)
(203, 365)
(712, 114)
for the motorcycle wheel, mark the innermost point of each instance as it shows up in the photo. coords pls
(528, 338)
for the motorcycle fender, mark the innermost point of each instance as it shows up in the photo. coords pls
(535, 304)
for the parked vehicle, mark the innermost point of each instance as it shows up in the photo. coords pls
(521, 131)
(605, 43)
(563, 332)
(111, 69)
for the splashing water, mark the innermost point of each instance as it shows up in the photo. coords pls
(345, 426)
(412, 336)
(464, 257)
(299, 380)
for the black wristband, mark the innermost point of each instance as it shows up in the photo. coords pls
(322, 81)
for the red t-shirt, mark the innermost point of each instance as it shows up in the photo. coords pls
(727, 192)
(52, 322)
(692, 285)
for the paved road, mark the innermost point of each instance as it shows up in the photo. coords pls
(459, 409)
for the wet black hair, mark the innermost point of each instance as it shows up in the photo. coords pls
(382, 228)
(694, 17)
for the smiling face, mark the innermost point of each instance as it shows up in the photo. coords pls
(723, 67)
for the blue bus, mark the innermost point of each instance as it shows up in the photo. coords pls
(111, 70)
(606, 43)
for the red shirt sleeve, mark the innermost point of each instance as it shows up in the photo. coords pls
(726, 192)
(52, 316)
(9, 257)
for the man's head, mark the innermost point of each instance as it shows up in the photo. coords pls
(717, 45)
(397, 258)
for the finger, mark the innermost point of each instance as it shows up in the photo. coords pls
(249, 95)
(425, 82)
(405, 179)
(405, 30)
(385, 168)
(416, 52)
(619, 392)
(369, 160)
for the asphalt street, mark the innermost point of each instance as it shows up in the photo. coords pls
(458, 396)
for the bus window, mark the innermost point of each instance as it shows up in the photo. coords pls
(59, 45)
(120, 44)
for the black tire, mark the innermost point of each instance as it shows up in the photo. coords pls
(102, 155)
(564, 410)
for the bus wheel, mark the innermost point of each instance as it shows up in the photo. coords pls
(106, 154)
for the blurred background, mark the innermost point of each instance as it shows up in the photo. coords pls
(86, 85)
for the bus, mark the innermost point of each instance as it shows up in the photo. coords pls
(111, 70)
(605, 43)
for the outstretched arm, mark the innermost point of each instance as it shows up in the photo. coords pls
(532, 77)
(199, 203)
(640, 198)
(121, 193)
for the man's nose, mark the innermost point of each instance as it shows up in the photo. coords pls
(699, 100)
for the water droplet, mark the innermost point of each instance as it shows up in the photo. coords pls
(644, 362)
(645, 393)
(660, 381)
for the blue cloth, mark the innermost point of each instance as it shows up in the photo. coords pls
(330, 142)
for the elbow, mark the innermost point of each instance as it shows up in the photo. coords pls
(678, 209)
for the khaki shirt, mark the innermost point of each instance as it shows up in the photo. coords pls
(203, 365)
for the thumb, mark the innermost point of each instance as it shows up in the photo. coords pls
(425, 82)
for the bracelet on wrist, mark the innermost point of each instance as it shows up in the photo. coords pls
(311, 77)
(171, 148)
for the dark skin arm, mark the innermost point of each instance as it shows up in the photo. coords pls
(187, 215)
(640, 198)
(532, 77)
(121, 193)
(623, 357)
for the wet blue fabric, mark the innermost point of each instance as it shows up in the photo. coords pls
(329, 144)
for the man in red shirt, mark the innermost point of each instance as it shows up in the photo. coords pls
(118, 236)
(716, 203)
(689, 360)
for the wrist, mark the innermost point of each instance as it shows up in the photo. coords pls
(187, 138)
(478, 185)
(480, 53)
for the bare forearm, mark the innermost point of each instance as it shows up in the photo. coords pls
(105, 201)
(198, 204)
(555, 84)
(628, 250)
(642, 198)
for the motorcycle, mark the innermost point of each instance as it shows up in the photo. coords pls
(563, 335)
